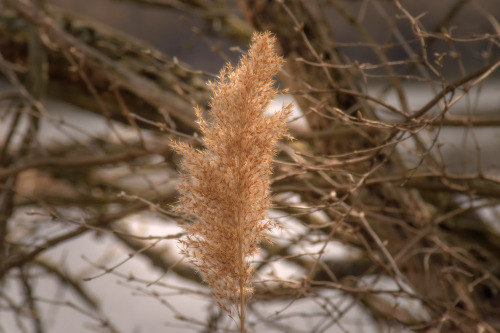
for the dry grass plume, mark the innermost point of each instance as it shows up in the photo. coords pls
(225, 186)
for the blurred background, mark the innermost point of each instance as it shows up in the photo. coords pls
(396, 119)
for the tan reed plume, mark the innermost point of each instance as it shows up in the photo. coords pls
(225, 186)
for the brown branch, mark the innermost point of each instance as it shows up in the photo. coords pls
(65, 279)
(228, 24)
(468, 120)
(23, 258)
(162, 88)
(466, 82)
(77, 161)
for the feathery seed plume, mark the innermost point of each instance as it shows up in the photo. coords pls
(225, 186)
